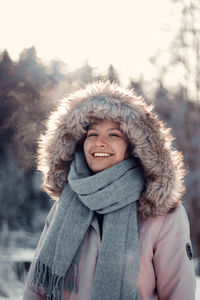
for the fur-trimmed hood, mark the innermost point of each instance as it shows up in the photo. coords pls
(150, 141)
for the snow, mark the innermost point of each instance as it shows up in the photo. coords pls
(18, 255)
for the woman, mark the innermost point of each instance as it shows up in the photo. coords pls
(119, 230)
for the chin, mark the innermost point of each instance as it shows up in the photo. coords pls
(97, 169)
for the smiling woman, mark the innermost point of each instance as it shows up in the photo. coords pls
(118, 224)
(105, 145)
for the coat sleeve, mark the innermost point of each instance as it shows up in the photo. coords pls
(29, 292)
(172, 258)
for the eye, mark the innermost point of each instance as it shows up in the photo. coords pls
(91, 134)
(115, 134)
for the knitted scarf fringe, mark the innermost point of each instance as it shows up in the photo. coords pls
(53, 285)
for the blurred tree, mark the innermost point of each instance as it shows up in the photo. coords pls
(83, 75)
(56, 71)
(31, 72)
(136, 85)
(179, 64)
(17, 209)
(25, 104)
(112, 75)
(185, 49)
(7, 71)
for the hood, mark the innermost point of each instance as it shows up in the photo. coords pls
(150, 141)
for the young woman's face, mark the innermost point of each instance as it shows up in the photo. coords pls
(105, 145)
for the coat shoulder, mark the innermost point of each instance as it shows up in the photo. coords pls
(176, 221)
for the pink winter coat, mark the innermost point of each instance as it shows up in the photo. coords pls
(166, 266)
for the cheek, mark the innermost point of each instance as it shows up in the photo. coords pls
(86, 147)
(123, 151)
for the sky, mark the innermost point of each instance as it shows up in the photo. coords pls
(125, 33)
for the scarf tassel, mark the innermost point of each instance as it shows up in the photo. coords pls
(45, 282)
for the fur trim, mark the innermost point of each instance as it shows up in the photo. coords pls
(151, 142)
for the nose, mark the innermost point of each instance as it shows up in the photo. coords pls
(101, 141)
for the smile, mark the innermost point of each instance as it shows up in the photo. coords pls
(101, 154)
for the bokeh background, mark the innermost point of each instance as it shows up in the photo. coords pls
(50, 48)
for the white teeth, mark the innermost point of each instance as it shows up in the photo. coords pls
(102, 154)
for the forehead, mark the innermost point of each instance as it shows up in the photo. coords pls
(104, 123)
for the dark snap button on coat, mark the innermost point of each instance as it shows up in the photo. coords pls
(189, 251)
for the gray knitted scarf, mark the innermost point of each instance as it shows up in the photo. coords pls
(112, 192)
